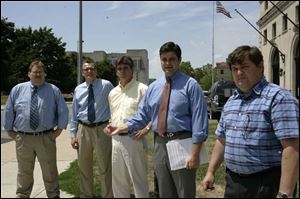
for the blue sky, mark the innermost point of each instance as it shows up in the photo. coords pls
(116, 26)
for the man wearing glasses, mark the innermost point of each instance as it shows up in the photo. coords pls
(258, 133)
(90, 116)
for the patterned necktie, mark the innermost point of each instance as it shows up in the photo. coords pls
(34, 112)
(91, 107)
(163, 108)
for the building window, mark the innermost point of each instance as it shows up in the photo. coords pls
(284, 23)
(274, 30)
(265, 36)
(221, 72)
(266, 5)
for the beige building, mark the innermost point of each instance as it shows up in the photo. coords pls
(139, 56)
(222, 71)
(281, 64)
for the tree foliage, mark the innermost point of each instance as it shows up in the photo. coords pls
(19, 47)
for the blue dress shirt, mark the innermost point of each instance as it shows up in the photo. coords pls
(101, 90)
(187, 107)
(53, 111)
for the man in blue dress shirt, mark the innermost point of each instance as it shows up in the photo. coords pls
(186, 117)
(36, 140)
(258, 133)
(88, 136)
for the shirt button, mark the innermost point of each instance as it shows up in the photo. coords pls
(235, 127)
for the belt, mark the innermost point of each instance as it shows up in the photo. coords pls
(92, 124)
(175, 135)
(272, 169)
(36, 133)
(123, 134)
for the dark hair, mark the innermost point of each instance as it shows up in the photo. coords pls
(90, 62)
(243, 52)
(38, 63)
(170, 47)
(125, 60)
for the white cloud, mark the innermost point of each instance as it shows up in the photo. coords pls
(155, 70)
(115, 5)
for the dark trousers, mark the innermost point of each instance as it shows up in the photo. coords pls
(263, 184)
(172, 184)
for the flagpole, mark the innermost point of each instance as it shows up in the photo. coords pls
(213, 45)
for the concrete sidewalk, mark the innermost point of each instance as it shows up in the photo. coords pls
(9, 167)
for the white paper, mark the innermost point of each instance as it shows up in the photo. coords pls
(178, 151)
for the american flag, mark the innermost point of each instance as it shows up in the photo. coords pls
(221, 9)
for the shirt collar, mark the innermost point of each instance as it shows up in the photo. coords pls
(256, 90)
(127, 85)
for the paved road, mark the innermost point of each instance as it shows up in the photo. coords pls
(5, 138)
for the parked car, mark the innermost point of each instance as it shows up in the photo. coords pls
(217, 96)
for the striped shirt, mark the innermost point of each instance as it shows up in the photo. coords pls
(52, 109)
(253, 127)
(101, 90)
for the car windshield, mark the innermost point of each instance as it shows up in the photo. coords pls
(225, 88)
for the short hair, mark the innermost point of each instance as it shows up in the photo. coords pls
(170, 47)
(38, 63)
(125, 60)
(243, 52)
(87, 61)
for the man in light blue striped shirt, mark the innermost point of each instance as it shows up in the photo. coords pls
(258, 133)
(40, 141)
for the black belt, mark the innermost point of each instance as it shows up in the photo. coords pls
(123, 134)
(36, 133)
(175, 135)
(92, 124)
(272, 169)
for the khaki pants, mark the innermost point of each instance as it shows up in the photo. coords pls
(28, 147)
(94, 140)
(129, 164)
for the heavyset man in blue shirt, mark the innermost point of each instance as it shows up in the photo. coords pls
(258, 133)
(187, 117)
(40, 141)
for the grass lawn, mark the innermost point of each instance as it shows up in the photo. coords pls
(3, 99)
(69, 180)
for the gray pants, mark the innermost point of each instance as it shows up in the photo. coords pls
(172, 184)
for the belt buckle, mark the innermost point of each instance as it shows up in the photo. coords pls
(169, 135)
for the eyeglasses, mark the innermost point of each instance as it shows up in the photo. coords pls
(122, 68)
(91, 69)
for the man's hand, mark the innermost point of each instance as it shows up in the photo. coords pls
(12, 134)
(75, 143)
(109, 129)
(208, 181)
(56, 133)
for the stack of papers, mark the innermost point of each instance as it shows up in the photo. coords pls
(179, 150)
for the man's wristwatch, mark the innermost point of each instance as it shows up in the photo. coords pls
(283, 195)
(147, 127)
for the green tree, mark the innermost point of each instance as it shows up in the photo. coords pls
(28, 45)
(8, 74)
(205, 81)
(107, 71)
(186, 68)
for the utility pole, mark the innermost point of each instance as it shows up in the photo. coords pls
(79, 55)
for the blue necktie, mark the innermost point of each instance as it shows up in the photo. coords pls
(91, 107)
(34, 112)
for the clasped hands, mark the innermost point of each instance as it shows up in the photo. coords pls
(112, 130)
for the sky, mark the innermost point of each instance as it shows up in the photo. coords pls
(115, 26)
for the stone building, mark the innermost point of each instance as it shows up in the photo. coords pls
(139, 56)
(281, 63)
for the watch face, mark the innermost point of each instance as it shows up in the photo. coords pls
(284, 195)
